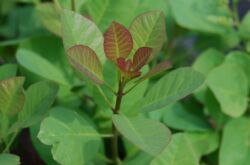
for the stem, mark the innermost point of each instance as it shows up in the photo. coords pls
(73, 5)
(7, 148)
(114, 130)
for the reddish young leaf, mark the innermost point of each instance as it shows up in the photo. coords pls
(84, 59)
(141, 57)
(164, 65)
(126, 68)
(118, 42)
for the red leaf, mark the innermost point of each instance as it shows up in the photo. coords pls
(126, 68)
(85, 60)
(118, 42)
(164, 65)
(141, 57)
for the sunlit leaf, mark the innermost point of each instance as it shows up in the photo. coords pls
(149, 135)
(148, 30)
(117, 42)
(84, 59)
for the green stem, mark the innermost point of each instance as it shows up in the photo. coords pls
(7, 148)
(114, 143)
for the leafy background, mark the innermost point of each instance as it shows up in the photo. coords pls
(209, 127)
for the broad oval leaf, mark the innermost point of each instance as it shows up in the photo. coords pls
(149, 30)
(11, 96)
(172, 87)
(9, 159)
(78, 30)
(141, 57)
(84, 59)
(149, 135)
(118, 42)
(235, 143)
(232, 96)
(39, 98)
(40, 66)
(71, 136)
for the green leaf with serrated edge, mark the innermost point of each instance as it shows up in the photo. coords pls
(231, 96)
(162, 66)
(7, 71)
(148, 30)
(118, 42)
(235, 143)
(71, 136)
(141, 58)
(50, 17)
(39, 98)
(205, 16)
(207, 61)
(78, 30)
(9, 159)
(169, 89)
(11, 96)
(85, 60)
(40, 66)
(149, 135)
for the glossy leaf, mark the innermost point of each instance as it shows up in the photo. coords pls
(8, 71)
(40, 66)
(235, 143)
(148, 30)
(85, 60)
(149, 135)
(164, 65)
(78, 30)
(117, 42)
(231, 96)
(11, 96)
(71, 136)
(9, 159)
(141, 57)
(172, 87)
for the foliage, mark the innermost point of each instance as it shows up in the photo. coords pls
(133, 82)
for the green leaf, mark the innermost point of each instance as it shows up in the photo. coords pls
(244, 31)
(205, 16)
(149, 135)
(50, 17)
(85, 60)
(8, 71)
(207, 61)
(118, 42)
(235, 143)
(169, 89)
(175, 116)
(78, 30)
(243, 61)
(179, 152)
(148, 30)
(187, 148)
(73, 139)
(11, 96)
(162, 66)
(9, 159)
(40, 66)
(39, 98)
(231, 96)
